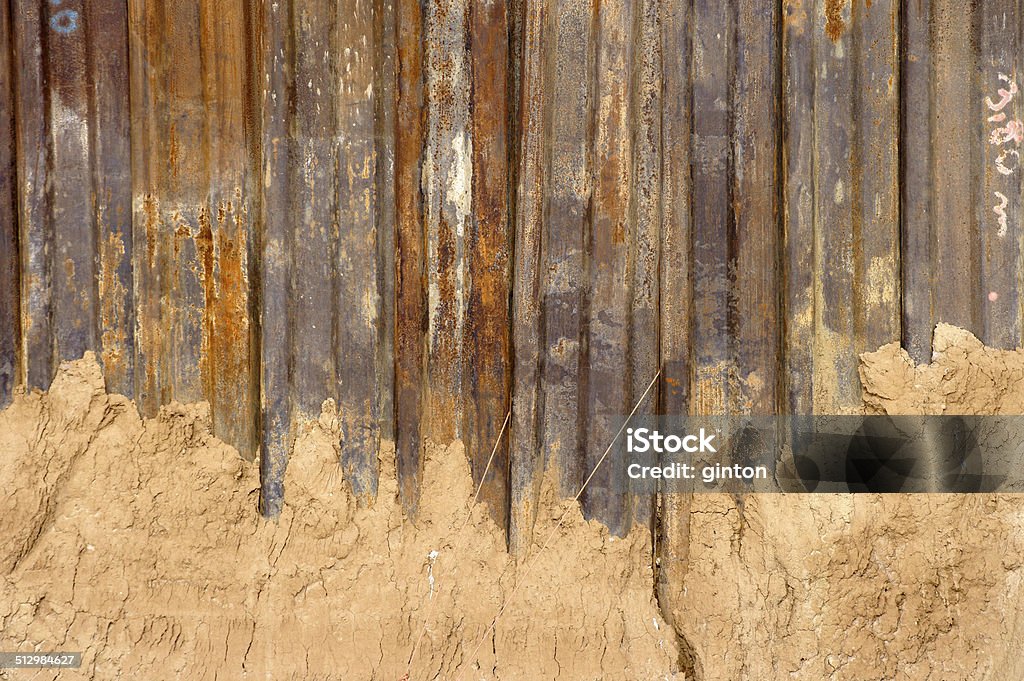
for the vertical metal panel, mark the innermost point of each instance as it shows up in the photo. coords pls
(569, 61)
(193, 210)
(962, 176)
(998, 205)
(756, 276)
(320, 295)
(917, 244)
(675, 278)
(610, 242)
(943, 137)
(71, 107)
(111, 193)
(525, 452)
(10, 317)
(714, 231)
(447, 168)
(358, 300)
(645, 212)
(842, 218)
(735, 236)
(486, 370)
(410, 290)
(275, 275)
(798, 73)
(386, 87)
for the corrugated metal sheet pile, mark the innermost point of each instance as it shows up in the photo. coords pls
(431, 210)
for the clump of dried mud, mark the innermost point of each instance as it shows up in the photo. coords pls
(137, 542)
(869, 587)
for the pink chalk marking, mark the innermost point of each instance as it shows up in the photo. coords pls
(993, 296)
(1006, 96)
(1011, 132)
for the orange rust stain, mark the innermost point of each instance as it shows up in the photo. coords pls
(221, 249)
(834, 24)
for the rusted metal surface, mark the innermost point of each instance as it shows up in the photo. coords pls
(675, 300)
(321, 302)
(962, 177)
(410, 270)
(486, 369)
(434, 211)
(193, 210)
(74, 218)
(10, 317)
(526, 449)
(567, 212)
(841, 100)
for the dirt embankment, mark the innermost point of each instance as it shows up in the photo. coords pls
(136, 541)
(870, 587)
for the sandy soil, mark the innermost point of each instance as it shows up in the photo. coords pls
(136, 541)
(869, 587)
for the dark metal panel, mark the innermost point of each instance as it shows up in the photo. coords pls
(410, 271)
(610, 243)
(525, 451)
(672, 546)
(358, 304)
(10, 317)
(569, 189)
(275, 272)
(842, 218)
(942, 149)
(386, 85)
(755, 274)
(713, 228)
(486, 370)
(999, 204)
(798, 180)
(735, 238)
(193, 225)
(956, 156)
(71, 108)
(111, 195)
(917, 244)
(645, 211)
(320, 294)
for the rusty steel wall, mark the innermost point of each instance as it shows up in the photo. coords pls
(10, 295)
(439, 213)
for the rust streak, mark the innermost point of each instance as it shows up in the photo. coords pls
(834, 24)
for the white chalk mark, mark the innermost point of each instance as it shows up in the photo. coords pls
(1001, 161)
(432, 557)
(1000, 211)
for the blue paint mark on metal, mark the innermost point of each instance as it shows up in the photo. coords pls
(64, 21)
